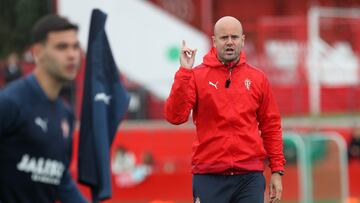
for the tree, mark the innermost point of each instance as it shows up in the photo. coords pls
(16, 20)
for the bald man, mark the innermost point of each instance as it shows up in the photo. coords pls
(236, 117)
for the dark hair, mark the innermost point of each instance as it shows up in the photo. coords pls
(50, 23)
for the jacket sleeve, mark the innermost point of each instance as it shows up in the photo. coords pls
(182, 97)
(270, 127)
(68, 192)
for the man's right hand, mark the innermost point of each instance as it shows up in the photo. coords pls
(187, 56)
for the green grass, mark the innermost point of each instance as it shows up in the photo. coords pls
(315, 201)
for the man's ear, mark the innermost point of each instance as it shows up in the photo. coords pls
(213, 41)
(243, 40)
(36, 51)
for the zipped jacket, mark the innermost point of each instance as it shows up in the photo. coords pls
(236, 116)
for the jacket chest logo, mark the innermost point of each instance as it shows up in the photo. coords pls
(214, 84)
(247, 84)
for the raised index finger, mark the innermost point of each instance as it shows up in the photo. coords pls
(183, 44)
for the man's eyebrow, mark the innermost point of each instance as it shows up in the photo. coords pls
(231, 35)
(77, 43)
(61, 44)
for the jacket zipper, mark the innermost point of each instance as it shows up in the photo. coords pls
(227, 85)
(228, 80)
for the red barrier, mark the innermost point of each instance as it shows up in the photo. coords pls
(171, 176)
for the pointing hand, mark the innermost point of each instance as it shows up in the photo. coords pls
(187, 56)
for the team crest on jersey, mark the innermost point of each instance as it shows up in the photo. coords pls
(197, 200)
(247, 83)
(65, 127)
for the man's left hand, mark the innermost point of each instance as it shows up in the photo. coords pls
(275, 188)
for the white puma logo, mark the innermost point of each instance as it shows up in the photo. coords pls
(212, 84)
(102, 97)
(42, 123)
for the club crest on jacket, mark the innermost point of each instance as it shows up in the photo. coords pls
(247, 83)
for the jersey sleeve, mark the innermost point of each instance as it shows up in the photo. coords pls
(9, 116)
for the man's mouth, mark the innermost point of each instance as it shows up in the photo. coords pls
(229, 51)
(71, 67)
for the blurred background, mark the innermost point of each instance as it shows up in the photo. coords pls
(309, 49)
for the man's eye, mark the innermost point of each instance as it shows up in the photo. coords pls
(61, 46)
(77, 46)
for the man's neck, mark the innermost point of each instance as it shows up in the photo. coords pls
(48, 84)
(231, 64)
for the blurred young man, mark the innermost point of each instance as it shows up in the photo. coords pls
(236, 118)
(35, 126)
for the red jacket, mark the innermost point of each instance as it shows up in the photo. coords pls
(237, 127)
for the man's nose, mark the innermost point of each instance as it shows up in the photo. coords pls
(229, 40)
(72, 53)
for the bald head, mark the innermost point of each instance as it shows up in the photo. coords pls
(228, 39)
(227, 22)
